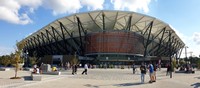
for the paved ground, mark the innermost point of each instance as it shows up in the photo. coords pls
(100, 78)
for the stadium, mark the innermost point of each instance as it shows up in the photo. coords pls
(98, 37)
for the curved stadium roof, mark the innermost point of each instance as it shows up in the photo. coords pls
(114, 20)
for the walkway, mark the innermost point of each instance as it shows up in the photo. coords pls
(101, 78)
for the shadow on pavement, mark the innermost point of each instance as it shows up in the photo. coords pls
(128, 84)
(196, 85)
(89, 85)
(197, 77)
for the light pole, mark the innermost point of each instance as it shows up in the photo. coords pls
(170, 51)
(186, 53)
(26, 61)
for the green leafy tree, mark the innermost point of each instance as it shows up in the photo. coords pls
(17, 58)
(74, 60)
(181, 62)
(173, 64)
(198, 64)
(32, 60)
(5, 60)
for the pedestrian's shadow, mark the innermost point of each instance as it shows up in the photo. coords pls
(128, 84)
(93, 86)
(197, 77)
(196, 85)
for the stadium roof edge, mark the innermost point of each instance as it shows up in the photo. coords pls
(100, 11)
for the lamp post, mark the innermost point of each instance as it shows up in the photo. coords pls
(170, 54)
(186, 53)
(170, 51)
(26, 61)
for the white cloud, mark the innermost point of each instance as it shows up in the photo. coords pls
(189, 42)
(10, 10)
(180, 35)
(32, 4)
(192, 42)
(18, 11)
(196, 38)
(6, 50)
(93, 4)
(62, 6)
(132, 5)
(72, 6)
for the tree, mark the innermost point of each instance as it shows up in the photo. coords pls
(173, 64)
(17, 57)
(181, 62)
(198, 64)
(74, 60)
(5, 60)
(32, 60)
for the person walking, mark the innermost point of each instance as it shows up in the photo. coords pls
(133, 66)
(85, 69)
(143, 72)
(154, 72)
(151, 71)
(73, 69)
(168, 69)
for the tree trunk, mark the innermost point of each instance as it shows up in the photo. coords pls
(15, 72)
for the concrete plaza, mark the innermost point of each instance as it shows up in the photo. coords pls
(100, 78)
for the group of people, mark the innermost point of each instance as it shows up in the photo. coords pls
(75, 67)
(36, 69)
(152, 72)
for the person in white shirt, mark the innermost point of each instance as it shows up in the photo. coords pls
(37, 70)
(86, 68)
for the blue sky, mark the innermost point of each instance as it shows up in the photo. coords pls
(20, 18)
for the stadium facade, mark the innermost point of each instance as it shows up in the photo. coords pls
(116, 37)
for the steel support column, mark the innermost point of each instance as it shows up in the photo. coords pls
(169, 51)
(128, 27)
(157, 45)
(71, 37)
(58, 49)
(57, 42)
(49, 51)
(170, 54)
(45, 51)
(80, 36)
(159, 48)
(147, 43)
(52, 51)
(103, 16)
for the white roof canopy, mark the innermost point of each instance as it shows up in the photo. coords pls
(114, 20)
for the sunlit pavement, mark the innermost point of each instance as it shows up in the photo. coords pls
(100, 78)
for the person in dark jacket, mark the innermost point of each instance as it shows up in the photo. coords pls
(143, 72)
(168, 69)
(75, 69)
(133, 66)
